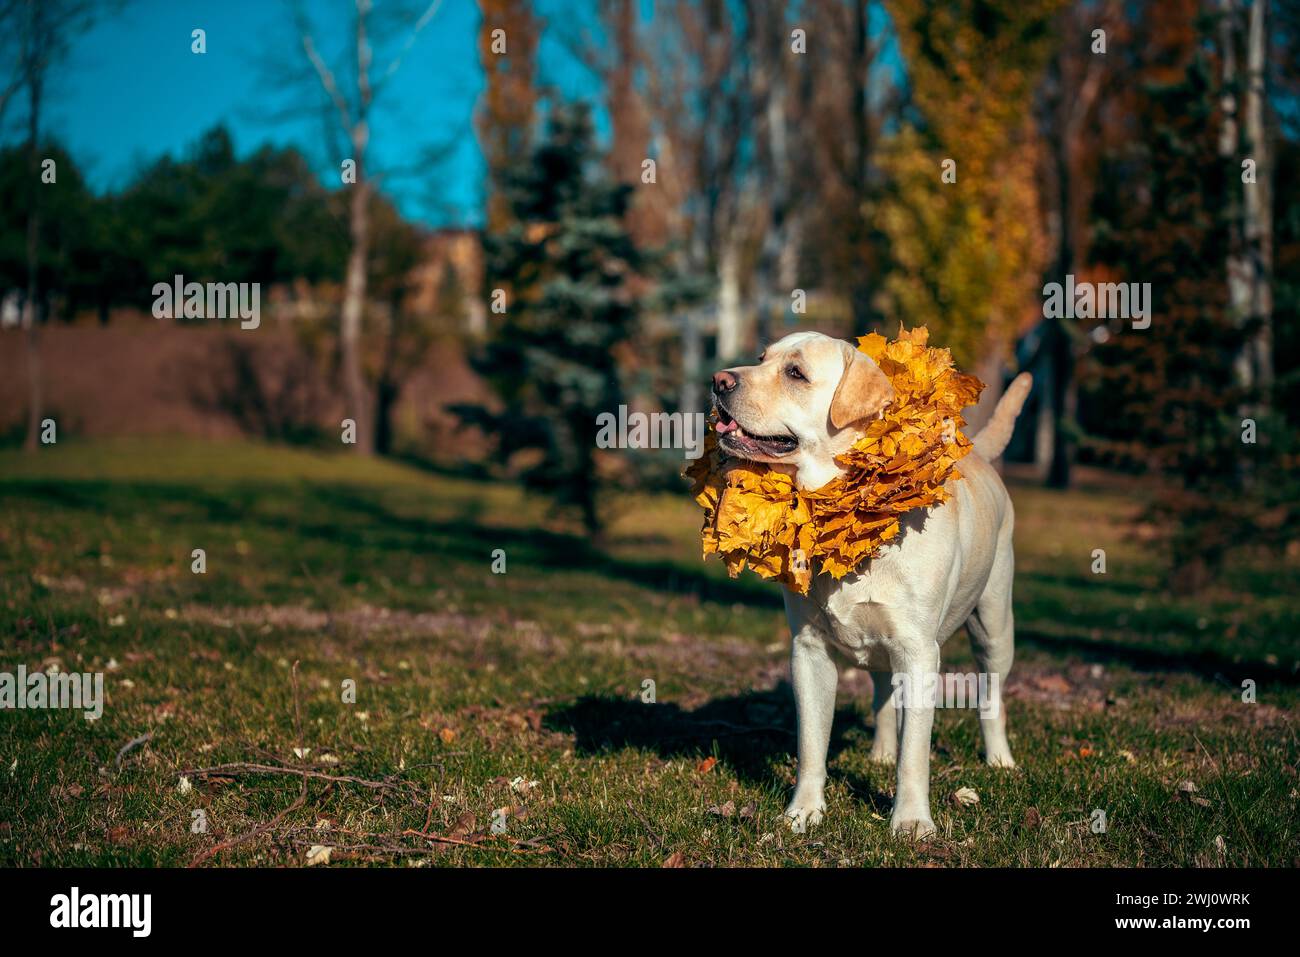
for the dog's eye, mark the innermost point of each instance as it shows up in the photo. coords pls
(794, 372)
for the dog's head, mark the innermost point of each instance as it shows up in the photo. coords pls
(805, 402)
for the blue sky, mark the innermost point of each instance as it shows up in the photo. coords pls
(132, 90)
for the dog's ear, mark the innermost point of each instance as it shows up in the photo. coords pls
(863, 391)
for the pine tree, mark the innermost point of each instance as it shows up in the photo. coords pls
(562, 263)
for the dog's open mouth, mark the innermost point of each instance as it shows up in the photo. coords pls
(736, 441)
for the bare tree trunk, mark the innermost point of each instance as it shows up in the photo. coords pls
(1060, 355)
(1063, 396)
(354, 301)
(770, 92)
(863, 286)
(31, 314)
(388, 385)
(692, 397)
(1237, 265)
(354, 296)
(730, 317)
(35, 385)
(1258, 225)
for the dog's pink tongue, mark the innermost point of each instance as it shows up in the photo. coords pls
(730, 425)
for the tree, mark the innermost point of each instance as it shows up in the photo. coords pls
(45, 30)
(852, 101)
(700, 99)
(211, 216)
(354, 108)
(1244, 139)
(563, 266)
(398, 248)
(967, 247)
(507, 44)
(1169, 399)
(1072, 88)
(70, 244)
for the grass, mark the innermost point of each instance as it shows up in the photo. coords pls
(471, 685)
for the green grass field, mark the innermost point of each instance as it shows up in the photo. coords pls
(498, 717)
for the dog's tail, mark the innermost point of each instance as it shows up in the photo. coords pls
(995, 435)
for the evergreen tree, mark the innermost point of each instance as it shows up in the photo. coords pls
(563, 263)
(1166, 399)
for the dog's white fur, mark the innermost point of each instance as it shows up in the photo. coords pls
(952, 564)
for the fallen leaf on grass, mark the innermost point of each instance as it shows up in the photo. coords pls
(1053, 684)
(318, 854)
(965, 796)
(1033, 818)
(447, 735)
(723, 810)
(705, 766)
(1187, 791)
(675, 859)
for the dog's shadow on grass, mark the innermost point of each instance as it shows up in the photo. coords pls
(752, 734)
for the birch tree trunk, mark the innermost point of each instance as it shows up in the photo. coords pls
(1257, 227)
(354, 295)
(354, 303)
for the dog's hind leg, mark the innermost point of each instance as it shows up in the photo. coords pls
(992, 638)
(884, 747)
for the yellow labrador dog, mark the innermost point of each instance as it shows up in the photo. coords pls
(807, 401)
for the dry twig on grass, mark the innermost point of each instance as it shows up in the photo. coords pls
(240, 768)
(131, 746)
(301, 800)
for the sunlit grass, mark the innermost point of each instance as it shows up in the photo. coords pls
(468, 680)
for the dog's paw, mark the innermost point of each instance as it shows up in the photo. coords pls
(804, 814)
(883, 755)
(917, 828)
(999, 759)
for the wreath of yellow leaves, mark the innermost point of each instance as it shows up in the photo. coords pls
(755, 517)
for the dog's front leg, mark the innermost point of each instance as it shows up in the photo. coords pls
(816, 675)
(919, 664)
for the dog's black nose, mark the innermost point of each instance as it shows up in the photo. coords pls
(723, 381)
